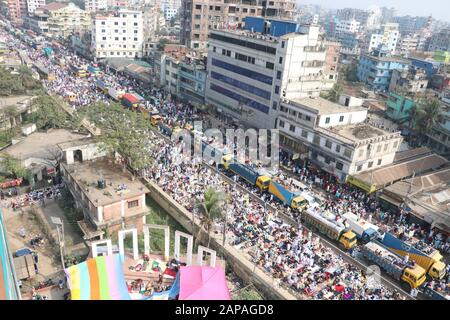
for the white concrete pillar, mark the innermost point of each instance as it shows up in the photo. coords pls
(147, 228)
(122, 234)
(201, 250)
(100, 214)
(190, 238)
(96, 244)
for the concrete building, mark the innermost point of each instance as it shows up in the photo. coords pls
(375, 69)
(347, 26)
(118, 34)
(169, 13)
(60, 19)
(388, 36)
(32, 5)
(408, 43)
(439, 138)
(197, 17)
(440, 41)
(95, 5)
(151, 15)
(110, 198)
(15, 9)
(192, 81)
(249, 72)
(331, 62)
(430, 66)
(410, 81)
(398, 107)
(335, 137)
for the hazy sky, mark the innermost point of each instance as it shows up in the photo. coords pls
(440, 9)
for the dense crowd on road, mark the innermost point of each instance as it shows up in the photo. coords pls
(290, 254)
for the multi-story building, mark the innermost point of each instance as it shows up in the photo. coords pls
(440, 41)
(410, 81)
(398, 107)
(32, 5)
(430, 66)
(192, 81)
(150, 16)
(95, 5)
(347, 26)
(15, 10)
(336, 138)
(197, 17)
(110, 198)
(118, 34)
(331, 61)
(388, 37)
(62, 19)
(375, 69)
(347, 14)
(249, 72)
(409, 24)
(439, 137)
(408, 43)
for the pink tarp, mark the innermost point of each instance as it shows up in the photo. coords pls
(203, 283)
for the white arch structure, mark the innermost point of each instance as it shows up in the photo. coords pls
(201, 250)
(166, 229)
(190, 239)
(100, 243)
(122, 234)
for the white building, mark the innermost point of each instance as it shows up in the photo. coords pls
(248, 72)
(118, 34)
(408, 43)
(95, 5)
(388, 36)
(32, 5)
(348, 26)
(169, 12)
(335, 137)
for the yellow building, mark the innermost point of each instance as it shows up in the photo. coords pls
(65, 18)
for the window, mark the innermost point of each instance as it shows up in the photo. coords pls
(379, 162)
(228, 53)
(116, 38)
(304, 134)
(307, 118)
(103, 30)
(280, 60)
(339, 165)
(135, 31)
(274, 105)
(386, 146)
(103, 38)
(292, 128)
(361, 152)
(270, 65)
(282, 44)
(224, 52)
(277, 89)
(124, 38)
(370, 164)
(135, 39)
(328, 144)
(214, 49)
(316, 139)
(116, 23)
(395, 144)
(235, 96)
(116, 31)
(199, 7)
(278, 75)
(135, 24)
(341, 118)
(241, 85)
(282, 123)
(338, 148)
(242, 71)
(379, 148)
(358, 168)
(327, 120)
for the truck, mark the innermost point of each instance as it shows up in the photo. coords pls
(93, 69)
(411, 275)
(116, 95)
(101, 85)
(287, 197)
(327, 225)
(428, 258)
(364, 230)
(130, 101)
(247, 173)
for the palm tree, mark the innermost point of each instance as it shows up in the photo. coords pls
(413, 116)
(429, 115)
(211, 208)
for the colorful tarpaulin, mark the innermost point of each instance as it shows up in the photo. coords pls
(99, 278)
(203, 283)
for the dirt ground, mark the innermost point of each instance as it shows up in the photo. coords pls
(49, 265)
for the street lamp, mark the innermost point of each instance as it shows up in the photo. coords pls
(60, 231)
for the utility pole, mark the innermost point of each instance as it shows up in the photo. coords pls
(57, 221)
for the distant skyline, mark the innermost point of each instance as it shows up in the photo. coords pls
(439, 9)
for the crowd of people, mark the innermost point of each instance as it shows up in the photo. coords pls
(288, 253)
(39, 196)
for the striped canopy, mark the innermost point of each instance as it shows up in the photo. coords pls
(99, 278)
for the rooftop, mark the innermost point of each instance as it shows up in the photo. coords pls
(119, 185)
(39, 144)
(55, 6)
(18, 101)
(248, 34)
(322, 106)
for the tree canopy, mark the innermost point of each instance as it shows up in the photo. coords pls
(48, 113)
(13, 167)
(426, 115)
(17, 83)
(123, 131)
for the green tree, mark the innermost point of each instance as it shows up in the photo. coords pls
(123, 131)
(350, 73)
(10, 83)
(13, 167)
(211, 208)
(427, 115)
(48, 113)
(334, 94)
